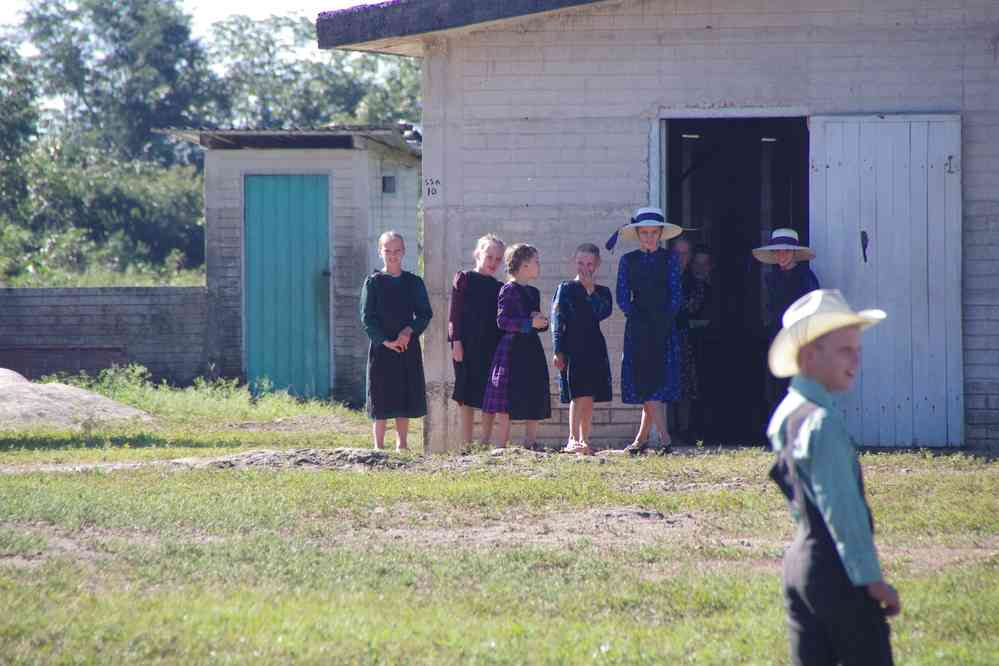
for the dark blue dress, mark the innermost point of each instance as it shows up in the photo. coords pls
(783, 289)
(575, 325)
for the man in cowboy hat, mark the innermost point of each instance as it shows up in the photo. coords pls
(834, 592)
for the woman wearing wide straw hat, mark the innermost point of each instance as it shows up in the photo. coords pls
(649, 293)
(789, 280)
(834, 592)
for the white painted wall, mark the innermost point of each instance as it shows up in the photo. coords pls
(540, 131)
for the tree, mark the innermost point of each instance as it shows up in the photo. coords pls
(275, 79)
(123, 68)
(394, 90)
(18, 123)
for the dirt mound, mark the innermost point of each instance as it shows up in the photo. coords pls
(24, 404)
(342, 458)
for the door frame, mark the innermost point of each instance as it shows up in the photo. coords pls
(288, 171)
(659, 150)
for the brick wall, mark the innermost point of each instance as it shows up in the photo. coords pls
(540, 130)
(43, 331)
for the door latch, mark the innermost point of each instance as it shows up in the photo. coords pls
(864, 242)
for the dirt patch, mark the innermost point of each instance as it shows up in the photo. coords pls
(324, 423)
(25, 404)
(601, 527)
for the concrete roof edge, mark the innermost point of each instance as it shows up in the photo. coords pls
(398, 19)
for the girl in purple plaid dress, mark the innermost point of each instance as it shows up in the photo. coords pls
(518, 386)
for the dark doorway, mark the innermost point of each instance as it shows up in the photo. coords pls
(735, 180)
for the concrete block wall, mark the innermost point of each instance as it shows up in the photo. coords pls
(43, 331)
(397, 210)
(539, 131)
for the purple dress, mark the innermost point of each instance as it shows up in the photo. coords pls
(518, 380)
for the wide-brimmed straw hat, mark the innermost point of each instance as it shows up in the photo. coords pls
(808, 319)
(644, 217)
(783, 239)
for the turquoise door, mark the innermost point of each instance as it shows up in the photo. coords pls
(287, 283)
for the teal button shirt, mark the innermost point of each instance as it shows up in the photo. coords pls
(827, 464)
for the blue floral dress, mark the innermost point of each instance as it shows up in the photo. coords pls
(650, 294)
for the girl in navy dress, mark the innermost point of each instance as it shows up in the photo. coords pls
(473, 333)
(395, 310)
(580, 348)
(518, 387)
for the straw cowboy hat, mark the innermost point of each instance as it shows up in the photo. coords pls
(783, 239)
(808, 319)
(644, 217)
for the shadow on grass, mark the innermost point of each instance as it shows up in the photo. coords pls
(68, 440)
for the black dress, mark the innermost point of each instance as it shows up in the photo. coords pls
(473, 323)
(576, 334)
(395, 381)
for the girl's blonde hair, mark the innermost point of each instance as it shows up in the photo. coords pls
(517, 254)
(391, 234)
(486, 241)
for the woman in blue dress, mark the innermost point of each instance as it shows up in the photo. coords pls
(650, 294)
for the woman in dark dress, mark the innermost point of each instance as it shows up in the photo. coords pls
(473, 333)
(395, 310)
(518, 387)
(650, 295)
(580, 348)
(788, 280)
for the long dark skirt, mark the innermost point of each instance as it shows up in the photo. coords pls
(396, 384)
(530, 387)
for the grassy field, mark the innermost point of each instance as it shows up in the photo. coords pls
(475, 558)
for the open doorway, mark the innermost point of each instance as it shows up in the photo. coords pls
(734, 180)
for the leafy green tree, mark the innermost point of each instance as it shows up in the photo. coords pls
(18, 126)
(276, 79)
(393, 92)
(121, 69)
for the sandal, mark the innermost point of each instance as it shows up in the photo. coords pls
(637, 447)
(665, 448)
(576, 447)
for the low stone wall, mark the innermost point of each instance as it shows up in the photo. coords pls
(43, 331)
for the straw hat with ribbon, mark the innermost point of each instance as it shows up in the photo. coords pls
(783, 239)
(808, 319)
(644, 217)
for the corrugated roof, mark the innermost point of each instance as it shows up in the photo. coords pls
(404, 137)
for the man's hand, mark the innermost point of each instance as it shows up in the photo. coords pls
(539, 321)
(886, 596)
(457, 351)
(394, 346)
(559, 360)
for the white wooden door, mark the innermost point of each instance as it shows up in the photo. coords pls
(895, 180)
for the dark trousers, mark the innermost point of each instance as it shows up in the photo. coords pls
(830, 621)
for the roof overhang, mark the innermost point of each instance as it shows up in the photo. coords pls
(397, 26)
(341, 137)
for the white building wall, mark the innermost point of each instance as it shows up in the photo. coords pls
(540, 132)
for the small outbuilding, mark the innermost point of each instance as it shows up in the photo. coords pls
(870, 126)
(292, 218)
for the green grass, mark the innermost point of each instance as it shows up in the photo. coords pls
(476, 560)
